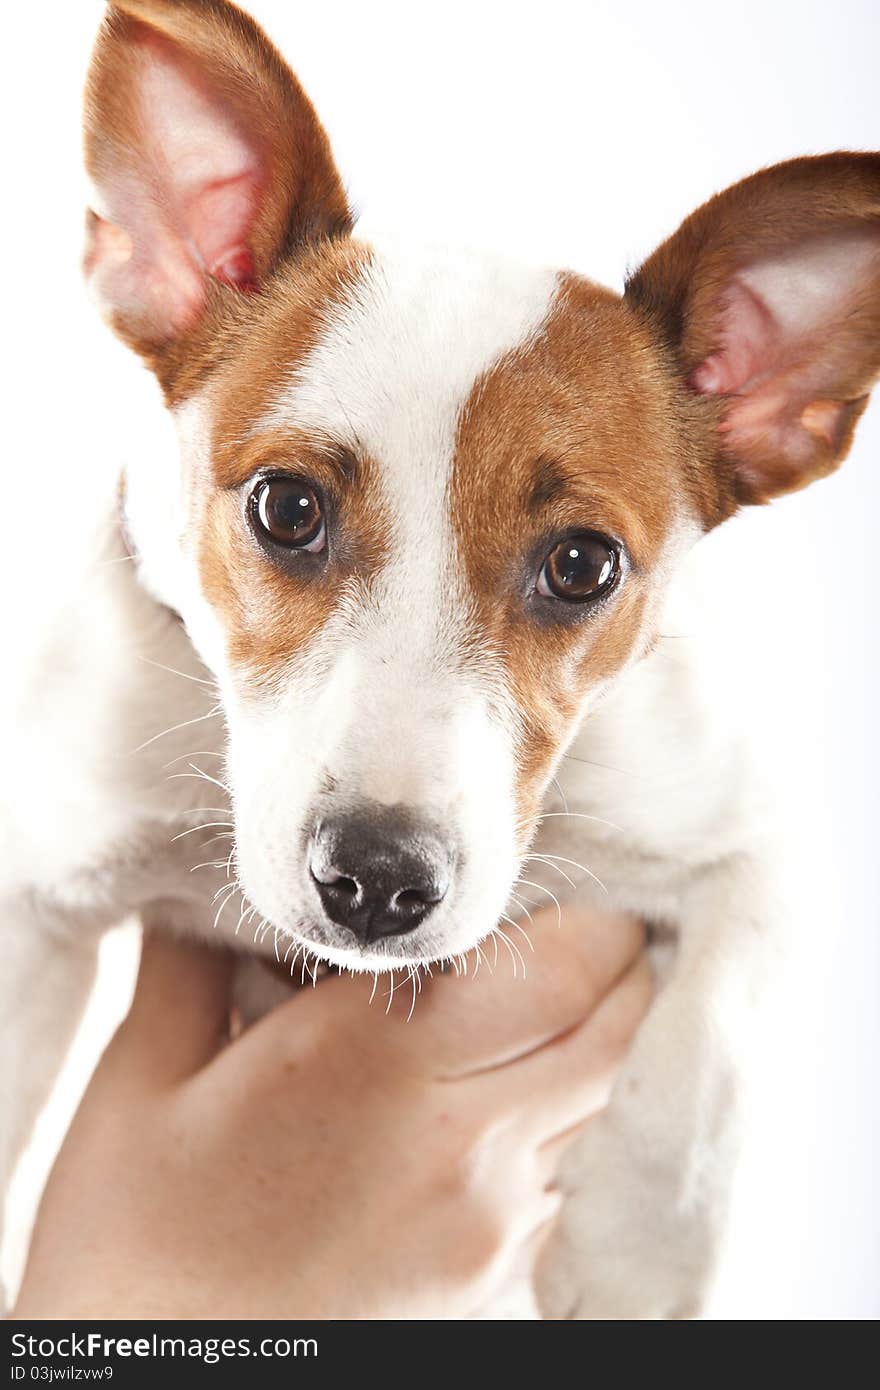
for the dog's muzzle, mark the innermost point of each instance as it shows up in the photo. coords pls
(378, 871)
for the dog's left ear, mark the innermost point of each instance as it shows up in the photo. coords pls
(769, 298)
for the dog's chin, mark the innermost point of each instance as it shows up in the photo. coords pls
(316, 944)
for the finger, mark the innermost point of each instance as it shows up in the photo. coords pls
(571, 1078)
(179, 1017)
(453, 1026)
(477, 1024)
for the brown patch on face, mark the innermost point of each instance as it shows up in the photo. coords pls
(581, 430)
(255, 346)
(272, 602)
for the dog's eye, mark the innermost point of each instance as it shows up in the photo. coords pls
(289, 512)
(579, 568)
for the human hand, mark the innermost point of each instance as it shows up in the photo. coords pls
(335, 1161)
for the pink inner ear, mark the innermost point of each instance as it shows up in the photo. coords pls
(219, 217)
(186, 195)
(749, 341)
(785, 348)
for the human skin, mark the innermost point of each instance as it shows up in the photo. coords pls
(340, 1159)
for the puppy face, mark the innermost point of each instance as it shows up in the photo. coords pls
(429, 504)
(415, 568)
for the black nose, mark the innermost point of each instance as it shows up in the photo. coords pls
(378, 872)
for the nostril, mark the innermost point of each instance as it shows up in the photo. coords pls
(340, 883)
(343, 885)
(378, 874)
(410, 899)
(416, 899)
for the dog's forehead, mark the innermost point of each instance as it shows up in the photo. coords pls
(440, 363)
(399, 355)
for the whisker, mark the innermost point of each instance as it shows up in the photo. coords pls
(412, 1007)
(548, 858)
(199, 719)
(390, 995)
(245, 909)
(539, 859)
(606, 767)
(197, 776)
(478, 961)
(512, 944)
(523, 933)
(502, 936)
(224, 888)
(224, 835)
(200, 772)
(225, 903)
(574, 815)
(541, 889)
(116, 560)
(519, 902)
(211, 825)
(172, 670)
(199, 753)
(558, 785)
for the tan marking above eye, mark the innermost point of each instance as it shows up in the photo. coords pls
(270, 615)
(574, 433)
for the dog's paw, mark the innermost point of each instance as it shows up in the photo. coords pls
(628, 1244)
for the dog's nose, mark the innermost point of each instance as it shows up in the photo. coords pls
(378, 872)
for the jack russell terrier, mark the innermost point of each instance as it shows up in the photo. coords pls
(413, 554)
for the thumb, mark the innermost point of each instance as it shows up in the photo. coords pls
(179, 1017)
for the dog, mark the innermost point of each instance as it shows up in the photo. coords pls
(405, 585)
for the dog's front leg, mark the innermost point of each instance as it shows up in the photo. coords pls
(647, 1187)
(45, 979)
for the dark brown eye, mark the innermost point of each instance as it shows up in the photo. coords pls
(579, 568)
(289, 512)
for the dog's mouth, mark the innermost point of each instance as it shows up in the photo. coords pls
(313, 946)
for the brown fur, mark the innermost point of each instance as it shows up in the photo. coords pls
(271, 611)
(580, 429)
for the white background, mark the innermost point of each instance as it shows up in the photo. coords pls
(578, 135)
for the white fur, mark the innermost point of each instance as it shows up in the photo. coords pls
(381, 699)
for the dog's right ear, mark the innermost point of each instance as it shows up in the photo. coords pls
(209, 166)
(768, 301)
